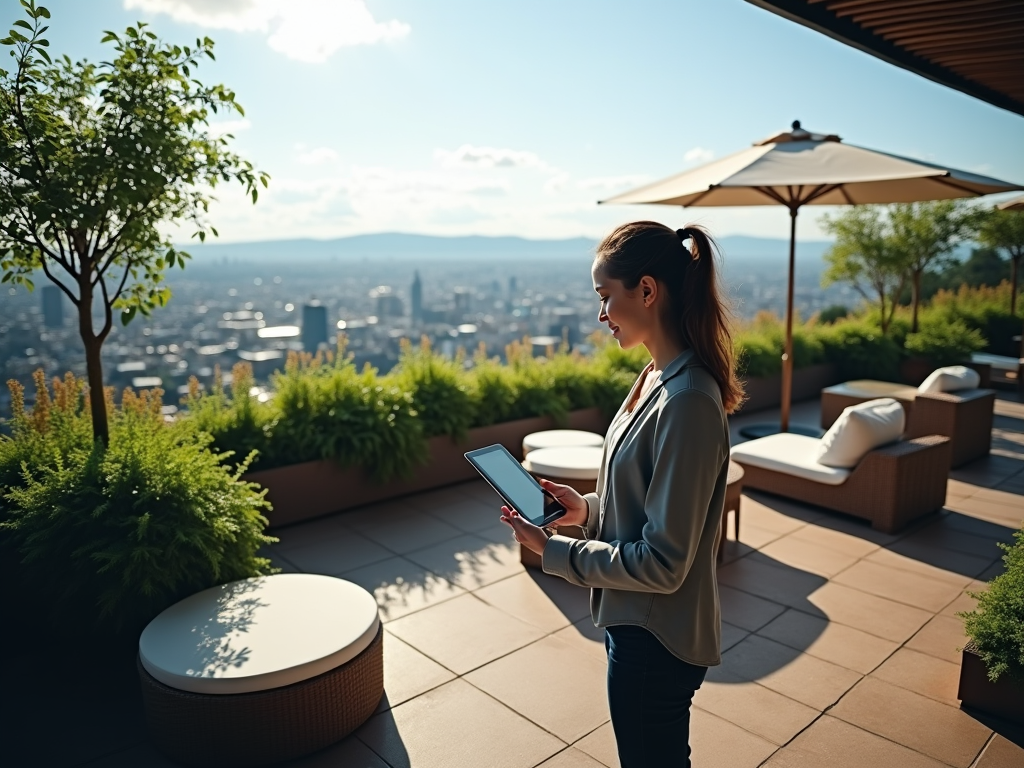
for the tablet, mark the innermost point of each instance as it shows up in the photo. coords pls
(515, 485)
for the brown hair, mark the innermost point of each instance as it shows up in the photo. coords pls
(691, 278)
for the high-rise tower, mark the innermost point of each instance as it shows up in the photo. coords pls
(416, 294)
(314, 326)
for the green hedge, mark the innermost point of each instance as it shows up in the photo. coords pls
(107, 537)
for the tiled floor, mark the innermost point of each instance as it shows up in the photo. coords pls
(840, 642)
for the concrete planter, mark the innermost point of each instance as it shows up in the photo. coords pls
(808, 382)
(1003, 698)
(316, 488)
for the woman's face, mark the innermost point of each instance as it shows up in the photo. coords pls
(628, 314)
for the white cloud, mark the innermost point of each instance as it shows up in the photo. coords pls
(556, 183)
(306, 30)
(229, 126)
(488, 157)
(605, 183)
(318, 156)
(699, 155)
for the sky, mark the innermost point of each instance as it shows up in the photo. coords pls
(456, 117)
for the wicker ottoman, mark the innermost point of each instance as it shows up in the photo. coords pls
(573, 466)
(561, 438)
(261, 670)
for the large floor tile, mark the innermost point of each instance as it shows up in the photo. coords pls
(464, 633)
(551, 684)
(921, 673)
(811, 681)
(831, 641)
(545, 601)
(571, 758)
(797, 553)
(588, 638)
(772, 513)
(600, 745)
(776, 582)
(931, 592)
(457, 726)
(410, 530)
(336, 555)
(717, 743)
(959, 533)
(937, 730)
(465, 512)
(470, 561)
(402, 587)
(869, 613)
(844, 541)
(349, 753)
(929, 561)
(731, 635)
(408, 673)
(943, 637)
(832, 743)
(746, 611)
(1001, 753)
(755, 708)
(311, 532)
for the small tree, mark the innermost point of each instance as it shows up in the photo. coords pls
(1004, 230)
(93, 159)
(926, 234)
(863, 256)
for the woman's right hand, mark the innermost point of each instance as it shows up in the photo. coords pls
(576, 508)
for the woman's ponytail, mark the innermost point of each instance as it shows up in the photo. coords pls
(691, 276)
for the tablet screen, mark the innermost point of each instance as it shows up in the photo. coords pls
(515, 483)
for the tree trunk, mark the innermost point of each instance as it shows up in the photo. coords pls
(93, 364)
(915, 298)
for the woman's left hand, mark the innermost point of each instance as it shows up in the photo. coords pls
(526, 533)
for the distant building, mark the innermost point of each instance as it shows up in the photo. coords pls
(416, 296)
(513, 288)
(386, 302)
(463, 300)
(314, 326)
(53, 306)
(565, 324)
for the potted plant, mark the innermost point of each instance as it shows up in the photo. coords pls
(992, 670)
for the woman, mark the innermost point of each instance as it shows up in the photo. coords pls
(649, 555)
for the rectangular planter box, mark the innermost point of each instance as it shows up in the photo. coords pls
(316, 488)
(1003, 698)
(766, 392)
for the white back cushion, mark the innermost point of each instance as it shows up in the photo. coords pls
(951, 379)
(861, 429)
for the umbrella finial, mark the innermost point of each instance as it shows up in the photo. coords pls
(796, 125)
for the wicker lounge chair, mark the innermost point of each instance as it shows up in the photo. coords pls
(965, 416)
(891, 486)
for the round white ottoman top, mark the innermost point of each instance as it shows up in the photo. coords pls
(576, 463)
(560, 438)
(260, 633)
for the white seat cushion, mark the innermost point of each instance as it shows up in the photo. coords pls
(578, 463)
(561, 438)
(791, 454)
(872, 390)
(861, 428)
(951, 379)
(257, 634)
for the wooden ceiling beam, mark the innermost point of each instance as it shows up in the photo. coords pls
(987, 22)
(900, 12)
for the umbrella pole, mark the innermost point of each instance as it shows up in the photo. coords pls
(787, 356)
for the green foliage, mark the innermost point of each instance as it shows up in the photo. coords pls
(832, 313)
(108, 536)
(860, 351)
(997, 625)
(986, 310)
(96, 159)
(760, 345)
(438, 389)
(944, 343)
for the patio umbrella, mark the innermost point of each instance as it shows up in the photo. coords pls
(797, 168)
(1017, 204)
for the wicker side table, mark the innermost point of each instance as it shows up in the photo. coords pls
(733, 491)
(262, 670)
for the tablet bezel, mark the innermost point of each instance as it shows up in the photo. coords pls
(547, 519)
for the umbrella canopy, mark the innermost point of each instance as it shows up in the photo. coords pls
(1017, 204)
(802, 168)
(797, 168)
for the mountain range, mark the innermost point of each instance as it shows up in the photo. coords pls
(402, 247)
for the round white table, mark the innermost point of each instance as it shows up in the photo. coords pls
(261, 670)
(561, 438)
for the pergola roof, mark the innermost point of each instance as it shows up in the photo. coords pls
(974, 46)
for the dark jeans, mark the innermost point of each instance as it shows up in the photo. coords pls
(649, 694)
